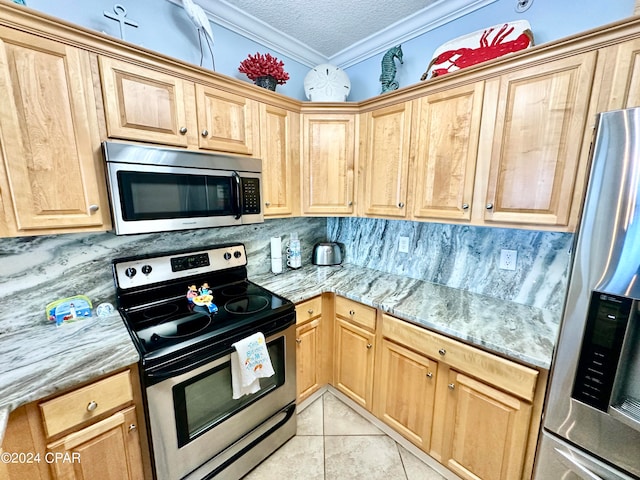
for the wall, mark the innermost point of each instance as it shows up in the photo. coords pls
(549, 19)
(461, 256)
(39, 270)
(165, 28)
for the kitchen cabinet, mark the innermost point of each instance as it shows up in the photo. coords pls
(474, 391)
(309, 347)
(534, 120)
(51, 173)
(448, 129)
(95, 431)
(280, 150)
(386, 133)
(151, 106)
(328, 163)
(354, 350)
(621, 71)
(405, 392)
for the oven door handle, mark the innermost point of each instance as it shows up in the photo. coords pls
(174, 372)
(237, 184)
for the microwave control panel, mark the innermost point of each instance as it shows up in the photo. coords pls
(601, 346)
(250, 195)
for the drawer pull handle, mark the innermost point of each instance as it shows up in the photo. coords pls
(451, 386)
(298, 341)
(430, 375)
(183, 130)
(442, 352)
(352, 313)
(310, 311)
(132, 427)
(369, 346)
(92, 406)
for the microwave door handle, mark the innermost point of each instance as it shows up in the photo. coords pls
(237, 196)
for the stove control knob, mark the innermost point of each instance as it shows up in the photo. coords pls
(237, 254)
(227, 256)
(130, 272)
(146, 269)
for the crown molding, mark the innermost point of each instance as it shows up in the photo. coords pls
(429, 18)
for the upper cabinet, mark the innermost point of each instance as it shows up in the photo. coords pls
(534, 120)
(280, 153)
(144, 105)
(328, 163)
(150, 106)
(51, 174)
(447, 133)
(386, 137)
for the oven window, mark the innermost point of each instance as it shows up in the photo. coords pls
(155, 196)
(204, 401)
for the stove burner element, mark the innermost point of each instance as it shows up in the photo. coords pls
(234, 290)
(246, 304)
(182, 327)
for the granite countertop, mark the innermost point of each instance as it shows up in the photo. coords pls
(41, 359)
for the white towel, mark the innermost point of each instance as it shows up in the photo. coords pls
(249, 363)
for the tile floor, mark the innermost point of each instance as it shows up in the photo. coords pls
(334, 442)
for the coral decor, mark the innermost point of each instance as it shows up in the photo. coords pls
(259, 65)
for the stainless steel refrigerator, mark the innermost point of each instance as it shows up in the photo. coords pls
(592, 412)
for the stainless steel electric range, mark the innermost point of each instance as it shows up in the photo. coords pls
(184, 311)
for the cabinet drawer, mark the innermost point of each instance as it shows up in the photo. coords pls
(78, 406)
(504, 374)
(357, 313)
(308, 309)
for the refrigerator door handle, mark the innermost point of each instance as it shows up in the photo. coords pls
(578, 468)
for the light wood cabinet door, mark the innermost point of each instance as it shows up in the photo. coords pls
(106, 450)
(621, 86)
(280, 152)
(387, 135)
(328, 163)
(406, 384)
(448, 130)
(227, 122)
(536, 135)
(308, 362)
(486, 430)
(353, 362)
(142, 104)
(53, 174)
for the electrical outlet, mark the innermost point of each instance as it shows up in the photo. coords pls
(508, 259)
(403, 244)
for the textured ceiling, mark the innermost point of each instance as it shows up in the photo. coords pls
(342, 32)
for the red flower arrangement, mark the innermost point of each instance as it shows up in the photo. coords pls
(259, 65)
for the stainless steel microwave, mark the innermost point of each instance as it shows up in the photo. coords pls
(153, 189)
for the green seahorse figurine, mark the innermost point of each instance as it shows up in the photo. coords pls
(388, 75)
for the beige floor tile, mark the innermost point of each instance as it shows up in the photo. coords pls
(302, 458)
(310, 420)
(370, 457)
(415, 468)
(340, 419)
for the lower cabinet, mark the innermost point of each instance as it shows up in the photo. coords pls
(92, 432)
(309, 348)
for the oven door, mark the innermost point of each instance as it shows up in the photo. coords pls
(195, 422)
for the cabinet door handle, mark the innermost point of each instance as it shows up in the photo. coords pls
(93, 208)
(267, 204)
(442, 352)
(132, 427)
(350, 204)
(310, 311)
(489, 206)
(401, 205)
(465, 206)
(205, 132)
(451, 386)
(183, 130)
(298, 341)
(430, 375)
(352, 313)
(92, 406)
(369, 346)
